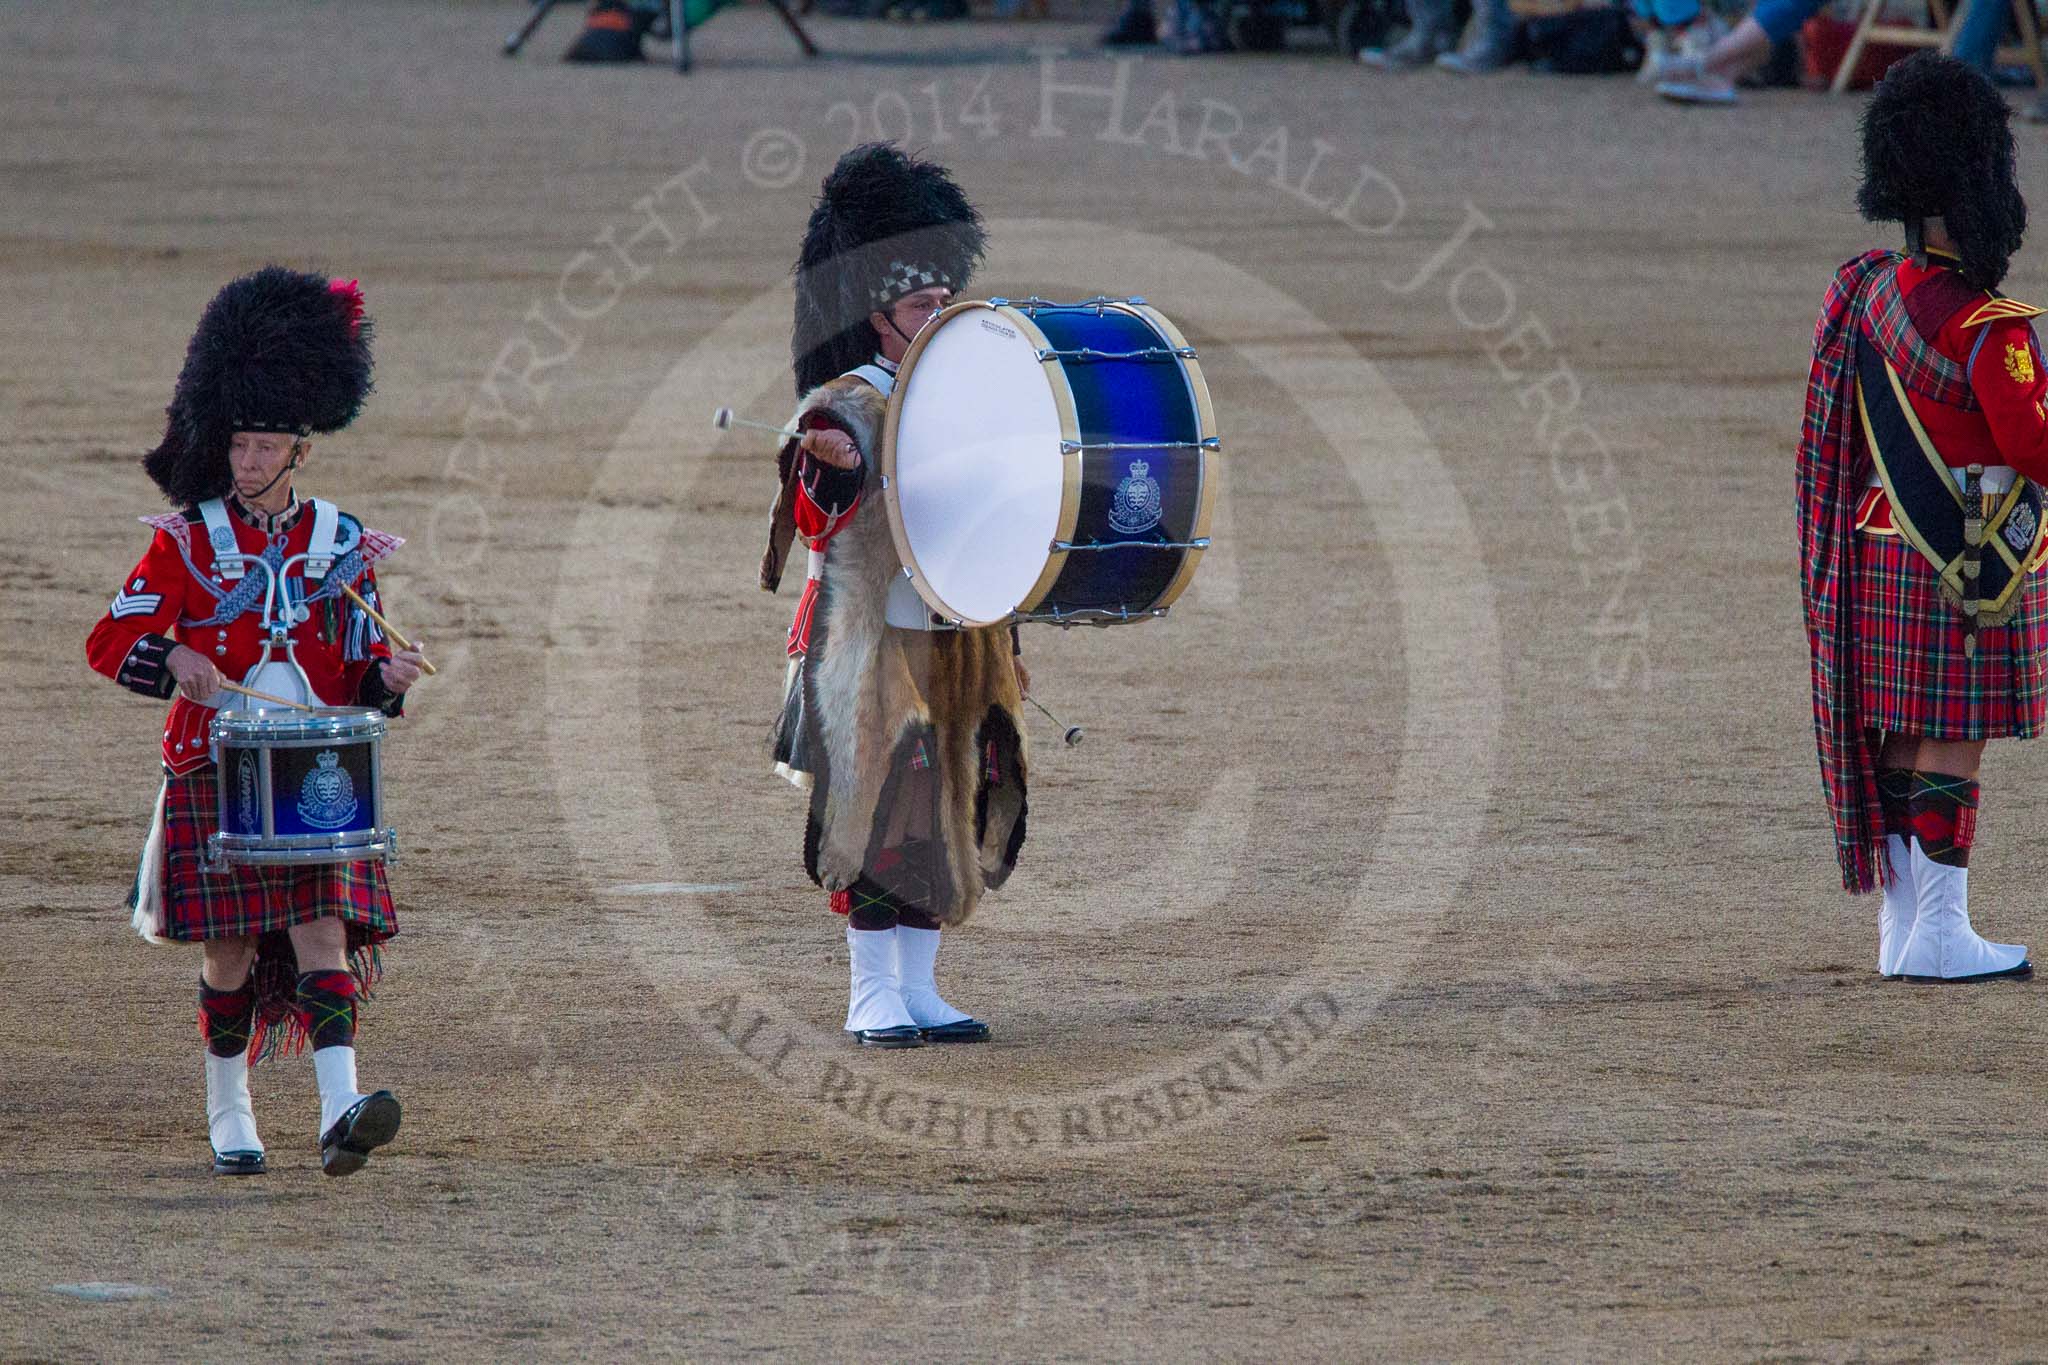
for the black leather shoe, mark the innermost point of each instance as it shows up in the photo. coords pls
(904, 1035)
(959, 1031)
(369, 1123)
(239, 1163)
(2023, 972)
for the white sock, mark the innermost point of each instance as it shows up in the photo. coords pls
(876, 998)
(230, 1114)
(335, 1068)
(917, 953)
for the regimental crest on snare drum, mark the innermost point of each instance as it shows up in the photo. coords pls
(1137, 504)
(327, 798)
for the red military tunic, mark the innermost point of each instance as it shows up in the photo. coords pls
(1996, 350)
(166, 598)
(167, 593)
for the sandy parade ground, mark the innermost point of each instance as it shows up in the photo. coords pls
(1433, 951)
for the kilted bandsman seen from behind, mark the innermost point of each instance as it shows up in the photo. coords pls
(1920, 515)
(908, 735)
(278, 356)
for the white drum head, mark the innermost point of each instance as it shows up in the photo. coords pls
(977, 479)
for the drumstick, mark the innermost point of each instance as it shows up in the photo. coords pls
(1075, 734)
(725, 421)
(265, 696)
(387, 628)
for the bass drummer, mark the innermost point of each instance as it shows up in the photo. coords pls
(278, 356)
(909, 738)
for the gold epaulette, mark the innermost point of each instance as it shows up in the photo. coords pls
(1991, 310)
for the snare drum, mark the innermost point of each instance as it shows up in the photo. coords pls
(1048, 462)
(300, 787)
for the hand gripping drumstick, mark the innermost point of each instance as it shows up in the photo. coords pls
(1075, 734)
(725, 421)
(388, 628)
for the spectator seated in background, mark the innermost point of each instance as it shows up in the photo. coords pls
(1198, 27)
(1673, 28)
(612, 31)
(1434, 33)
(1710, 77)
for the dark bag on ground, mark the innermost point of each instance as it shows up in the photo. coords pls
(1583, 42)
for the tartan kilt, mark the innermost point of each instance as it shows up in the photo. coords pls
(241, 899)
(1913, 677)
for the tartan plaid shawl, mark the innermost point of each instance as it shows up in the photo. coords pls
(1828, 486)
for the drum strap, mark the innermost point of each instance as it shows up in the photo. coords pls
(320, 551)
(220, 534)
(881, 380)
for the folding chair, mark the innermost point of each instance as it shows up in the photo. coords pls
(1872, 28)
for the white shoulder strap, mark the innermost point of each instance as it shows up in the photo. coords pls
(877, 377)
(320, 550)
(220, 534)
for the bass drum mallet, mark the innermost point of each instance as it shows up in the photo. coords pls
(1074, 733)
(724, 420)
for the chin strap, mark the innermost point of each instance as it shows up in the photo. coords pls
(1916, 241)
(289, 466)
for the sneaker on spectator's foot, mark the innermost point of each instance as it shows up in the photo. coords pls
(1478, 58)
(1697, 38)
(1657, 49)
(1705, 89)
(1672, 66)
(1421, 47)
(1135, 27)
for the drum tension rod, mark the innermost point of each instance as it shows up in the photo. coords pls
(1090, 353)
(1200, 544)
(1098, 616)
(1096, 304)
(1206, 443)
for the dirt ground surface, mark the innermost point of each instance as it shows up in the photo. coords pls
(1433, 951)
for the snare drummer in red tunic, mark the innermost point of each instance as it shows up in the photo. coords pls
(278, 356)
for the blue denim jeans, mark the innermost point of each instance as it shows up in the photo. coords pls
(1978, 30)
(1497, 22)
(1668, 13)
(1783, 18)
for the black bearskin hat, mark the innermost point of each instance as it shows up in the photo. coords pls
(886, 224)
(1937, 142)
(279, 350)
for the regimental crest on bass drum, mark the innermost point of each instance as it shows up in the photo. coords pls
(327, 798)
(1138, 503)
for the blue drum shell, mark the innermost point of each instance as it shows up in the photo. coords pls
(1151, 494)
(324, 779)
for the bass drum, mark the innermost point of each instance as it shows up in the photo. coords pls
(1049, 462)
